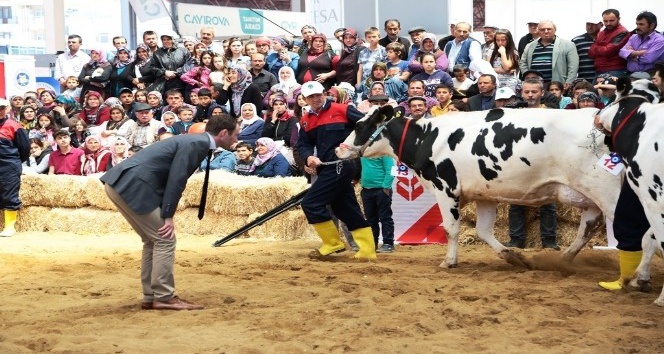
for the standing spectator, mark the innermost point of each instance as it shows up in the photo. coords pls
(168, 64)
(14, 150)
(307, 32)
(150, 41)
(531, 93)
(96, 158)
(281, 56)
(234, 54)
(238, 89)
(263, 45)
(463, 49)
(260, 77)
(485, 100)
(376, 180)
(66, 159)
(347, 66)
(317, 63)
(555, 58)
(333, 123)
(140, 72)
(70, 63)
(16, 103)
(533, 35)
(488, 46)
(443, 41)
(645, 46)
(146, 190)
(206, 35)
(505, 59)
(392, 28)
(218, 70)
(583, 42)
(250, 49)
(607, 45)
(95, 74)
(371, 54)
(199, 76)
(117, 81)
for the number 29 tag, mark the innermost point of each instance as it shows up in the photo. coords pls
(401, 170)
(612, 163)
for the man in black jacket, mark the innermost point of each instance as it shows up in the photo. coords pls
(168, 64)
(146, 189)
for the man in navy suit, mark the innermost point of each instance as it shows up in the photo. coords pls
(146, 189)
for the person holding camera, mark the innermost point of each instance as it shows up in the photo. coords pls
(281, 56)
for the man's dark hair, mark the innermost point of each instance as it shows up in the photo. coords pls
(60, 133)
(244, 145)
(173, 92)
(493, 78)
(649, 17)
(204, 92)
(392, 20)
(135, 149)
(118, 37)
(75, 36)
(149, 33)
(611, 11)
(219, 122)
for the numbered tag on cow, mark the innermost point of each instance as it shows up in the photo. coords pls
(612, 163)
(401, 170)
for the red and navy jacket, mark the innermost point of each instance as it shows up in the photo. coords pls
(14, 143)
(326, 129)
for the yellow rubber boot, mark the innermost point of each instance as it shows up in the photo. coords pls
(364, 239)
(629, 261)
(10, 221)
(330, 235)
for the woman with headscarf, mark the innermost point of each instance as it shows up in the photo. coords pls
(116, 81)
(28, 118)
(118, 125)
(15, 103)
(96, 158)
(269, 162)
(286, 87)
(318, 63)
(339, 95)
(66, 109)
(95, 74)
(94, 113)
(392, 86)
(119, 151)
(239, 90)
(139, 72)
(429, 45)
(279, 121)
(251, 125)
(47, 99)
(156, 103)
(347, 66)
(377, 89)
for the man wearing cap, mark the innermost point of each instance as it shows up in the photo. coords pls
(168, 63)
(126, 96)
(607, 45)
(644, 47)
(487, 48)
(463, 49)
(532, 35)
(416, 34)
(418, 108)
(392, 28)
(280, 56)
(14, 150)
(322, 128)
(583, 42)
(551, 55)
(505, 96)
(146, 129)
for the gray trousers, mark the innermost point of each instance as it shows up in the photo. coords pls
(158, 253)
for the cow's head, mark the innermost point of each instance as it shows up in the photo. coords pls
(368, 138)
(629, 93)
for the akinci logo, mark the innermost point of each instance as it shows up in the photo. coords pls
(409, 188)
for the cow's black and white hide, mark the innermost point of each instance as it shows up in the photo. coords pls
(636, 123)
(518, 156)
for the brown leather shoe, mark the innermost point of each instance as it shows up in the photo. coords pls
(175, 303)
(146, 306)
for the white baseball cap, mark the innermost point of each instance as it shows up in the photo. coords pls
(504, 93)
(312, 88)
(4, 103)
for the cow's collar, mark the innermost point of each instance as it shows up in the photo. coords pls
(403, 138)
(361, 149)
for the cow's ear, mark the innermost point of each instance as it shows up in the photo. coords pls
(623, 86)
(399, 112)
(384, 114)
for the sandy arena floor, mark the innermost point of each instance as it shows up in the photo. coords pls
(66, 293)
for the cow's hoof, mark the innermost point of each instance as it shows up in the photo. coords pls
(516, 259)
(659, 302)
(448, 265)
(644, 286)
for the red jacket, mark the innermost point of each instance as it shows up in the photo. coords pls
(606, 47)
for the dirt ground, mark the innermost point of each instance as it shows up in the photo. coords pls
(66, 293)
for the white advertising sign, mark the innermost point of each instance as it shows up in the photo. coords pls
(234, 21)
(325, 15)
(19, 74)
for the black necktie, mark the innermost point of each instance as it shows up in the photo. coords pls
(201, 206)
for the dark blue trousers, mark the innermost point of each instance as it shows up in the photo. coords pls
(629, 220)
(378, 211)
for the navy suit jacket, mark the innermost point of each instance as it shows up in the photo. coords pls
(157, 175)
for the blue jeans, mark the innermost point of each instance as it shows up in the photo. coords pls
(378, 209)
(548, 222)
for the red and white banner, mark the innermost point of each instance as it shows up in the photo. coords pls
(417, 218)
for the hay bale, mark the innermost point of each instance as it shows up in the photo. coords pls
(54, 190)
(32, 218)
(288, 226)
(96, 195)
(186, 221)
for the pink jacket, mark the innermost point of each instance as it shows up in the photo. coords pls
(198, 76)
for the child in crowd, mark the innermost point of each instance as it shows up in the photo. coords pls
(556, 88)
(431, 76)
(370, 55)
(193, 96)
(66, 159)
(245, 159)
(218, 70)
(168, 118)
(141, 96)
(73, 90)
(444, 97)
(186, 121)
(461, 81)
(395, 66)
(205, 105)
(78, 132)
(199, 76)
(46, 127)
